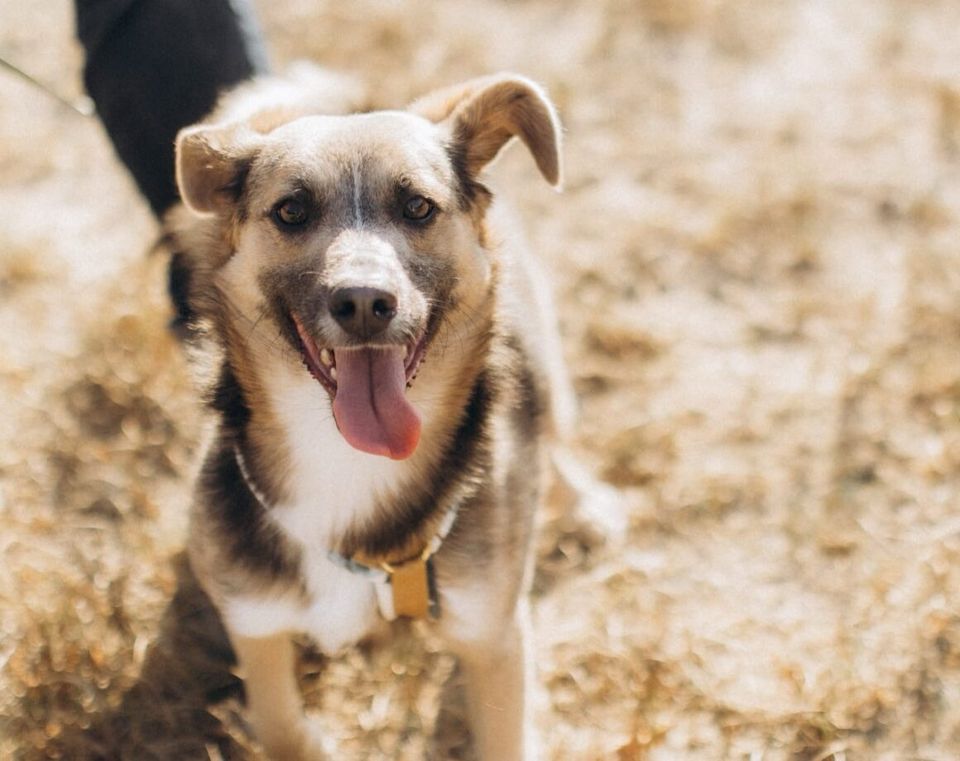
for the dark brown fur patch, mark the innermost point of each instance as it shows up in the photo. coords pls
(246, 421)
(240, 522)
(236, 188)
(228, 400)
(470, 191)
(465, 460)
(530, 406)
(498, 518)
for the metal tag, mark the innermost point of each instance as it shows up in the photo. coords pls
(411, 589)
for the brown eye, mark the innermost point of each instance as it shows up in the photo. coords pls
(291, 213)
(418, 209)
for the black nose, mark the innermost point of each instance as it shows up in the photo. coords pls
(363, 312)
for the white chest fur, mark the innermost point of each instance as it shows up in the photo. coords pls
(332, 487)
(340, 608)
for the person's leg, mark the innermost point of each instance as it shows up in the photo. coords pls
(155, 66)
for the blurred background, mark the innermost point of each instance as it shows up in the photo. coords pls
(757, 270)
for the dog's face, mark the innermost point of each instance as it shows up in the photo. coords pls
(360, 238)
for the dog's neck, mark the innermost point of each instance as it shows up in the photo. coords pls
(321, 491)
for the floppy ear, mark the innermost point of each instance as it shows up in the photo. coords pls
(212, 163)
(484, 114)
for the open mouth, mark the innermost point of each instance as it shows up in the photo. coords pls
(368, 387)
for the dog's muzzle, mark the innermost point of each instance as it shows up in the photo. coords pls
(368, 386)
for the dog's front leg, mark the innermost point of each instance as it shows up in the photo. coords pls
(274, 704)
(497, 671)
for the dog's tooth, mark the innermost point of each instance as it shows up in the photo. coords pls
(325, 356)
(333, 373)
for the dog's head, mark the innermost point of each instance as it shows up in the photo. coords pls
(360, 237)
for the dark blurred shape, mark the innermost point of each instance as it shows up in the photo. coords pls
(155, 66)
(164, 714)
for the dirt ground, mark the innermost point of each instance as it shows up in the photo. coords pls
(757, 263)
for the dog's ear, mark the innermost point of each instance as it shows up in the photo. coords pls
(484, 114)
(212, 163)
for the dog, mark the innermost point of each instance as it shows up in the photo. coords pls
(386, 384)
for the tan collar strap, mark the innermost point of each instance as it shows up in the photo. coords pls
(404, 589)
(407, 588)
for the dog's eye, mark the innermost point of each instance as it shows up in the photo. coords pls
(418, 208)
(291, 213)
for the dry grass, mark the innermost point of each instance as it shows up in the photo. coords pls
(757, 264)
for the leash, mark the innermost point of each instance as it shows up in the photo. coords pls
(405, 588)
(83, 107)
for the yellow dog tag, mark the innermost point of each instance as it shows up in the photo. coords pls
(411, 589)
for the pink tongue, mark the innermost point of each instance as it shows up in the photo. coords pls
(371, 406)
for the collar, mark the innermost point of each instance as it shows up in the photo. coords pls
(405, 588)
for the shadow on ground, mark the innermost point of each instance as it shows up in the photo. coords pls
(165, 715)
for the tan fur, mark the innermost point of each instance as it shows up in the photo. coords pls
(487, 390)
(489, 111)
(273, 700)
